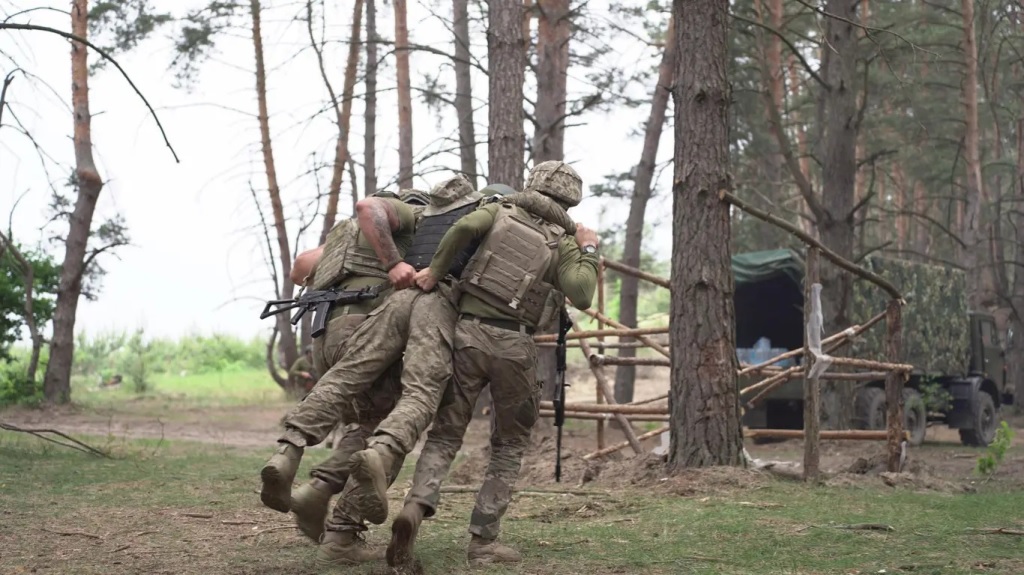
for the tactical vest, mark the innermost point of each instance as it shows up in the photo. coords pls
(509, 269)
(429, 231)
(330, 269)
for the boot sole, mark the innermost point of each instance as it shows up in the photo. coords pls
(402, 534)
(368, 471)
(277, 491)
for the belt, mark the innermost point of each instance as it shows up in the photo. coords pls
(508, 324)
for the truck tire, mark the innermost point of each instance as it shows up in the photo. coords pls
(983, 412)
(915, 416)
(869, 408)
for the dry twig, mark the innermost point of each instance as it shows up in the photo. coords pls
(75, 444)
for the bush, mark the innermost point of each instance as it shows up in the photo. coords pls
(15, 386)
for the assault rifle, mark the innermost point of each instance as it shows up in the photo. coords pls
(319, 302)
(564, 325)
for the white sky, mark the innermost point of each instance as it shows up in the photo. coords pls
(196, 264)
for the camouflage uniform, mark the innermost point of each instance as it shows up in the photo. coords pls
(307, 424)
(295, 378)
(495, 344)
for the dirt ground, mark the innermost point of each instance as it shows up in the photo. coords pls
(940, 463)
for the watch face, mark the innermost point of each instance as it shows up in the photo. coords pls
(589, 249)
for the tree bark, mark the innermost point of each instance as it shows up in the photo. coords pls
(287, 288)
(704, 395)
(972, 232)
(57, 380)
(629, 293)
(343, 118)
(553, 34)
(405, 170)
(370, 112)
(507, 73)
(464, 91)
(1015, 354)
(836, 223)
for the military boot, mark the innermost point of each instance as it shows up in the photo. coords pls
(277, 475)
(309, 504)
(403, 534)
(483, 552)
(345, 548)
(371, 492)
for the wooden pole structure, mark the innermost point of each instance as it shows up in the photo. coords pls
(812, 389)
(606, 389)
(894, 383)
(661, 348)
(610, 407)
(826, 434)
(600, 346)
(600, 332)
(624, 444)
(605, 416)
(623, 268)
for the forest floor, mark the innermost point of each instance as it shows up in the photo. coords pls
(180, 496)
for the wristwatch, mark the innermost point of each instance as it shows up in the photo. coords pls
(590, 249)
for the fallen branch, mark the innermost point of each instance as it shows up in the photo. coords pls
(864, 527)
(199, 515)
(624, 444)
(996, 531)
(233, 522)
(268, 530)
(75, 444)
(532, 491)
(70, 533)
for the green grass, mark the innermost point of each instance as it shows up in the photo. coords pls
(127, 515)
(224, 389)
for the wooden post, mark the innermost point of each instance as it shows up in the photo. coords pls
(812, 397)
(600, 347)
(894, 383)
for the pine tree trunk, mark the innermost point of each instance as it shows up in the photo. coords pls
(629, 293)
(405, 170)
(287, 289)
(57, 380)
(506, 138)
(464, 90)
(973, 228)
(370, 112)
(839, 175)
(553, 34)
(344, 121)
(1015, 353)
(703, 398)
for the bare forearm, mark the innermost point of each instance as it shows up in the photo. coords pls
(377, 220)
(304, 265)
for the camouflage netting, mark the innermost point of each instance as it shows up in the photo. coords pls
(935, 323)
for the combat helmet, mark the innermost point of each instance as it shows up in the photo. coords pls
(414, 197)
(496, 190)
(556, 180)
(451, 194)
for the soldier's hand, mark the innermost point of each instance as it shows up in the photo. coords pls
(585, 236)
(425, 279)
(402, 275)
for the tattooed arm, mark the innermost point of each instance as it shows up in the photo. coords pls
(378, 219)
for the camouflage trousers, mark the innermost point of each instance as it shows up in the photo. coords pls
(507, 359)
(314, 417)
(411, 321)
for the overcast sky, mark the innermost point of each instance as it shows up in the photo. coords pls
(197, 262)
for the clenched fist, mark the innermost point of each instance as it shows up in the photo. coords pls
(425, 279)
(402, 275)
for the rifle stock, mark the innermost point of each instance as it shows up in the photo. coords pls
(320, 302)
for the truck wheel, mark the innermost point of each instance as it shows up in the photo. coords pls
(915, 416)
(869, 408)
(984, 415)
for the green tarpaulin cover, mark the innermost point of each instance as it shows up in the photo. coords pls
(754, 267)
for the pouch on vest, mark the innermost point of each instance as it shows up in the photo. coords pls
(330, 269)
(509, 269)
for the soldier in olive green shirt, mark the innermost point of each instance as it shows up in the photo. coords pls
(528, 262)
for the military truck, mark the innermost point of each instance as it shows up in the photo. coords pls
(959, 376)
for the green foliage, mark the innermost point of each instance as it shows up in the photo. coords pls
(46, 279)
(197, 36)
(138, 359)
(988, 463)
(935, 397)
(119, 25)
(15, 386)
